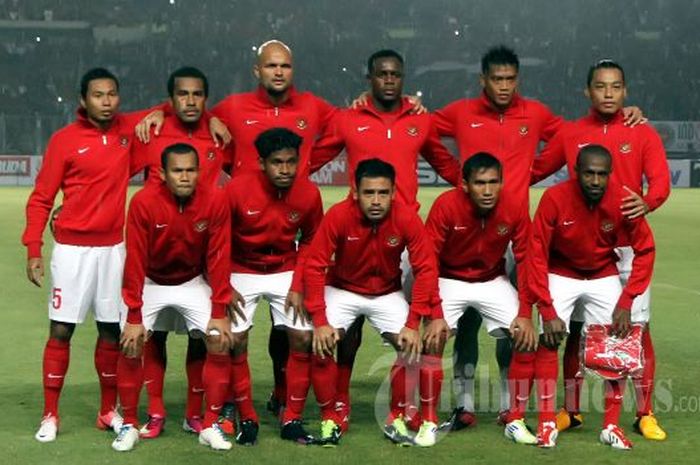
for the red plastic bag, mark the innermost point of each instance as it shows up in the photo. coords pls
(611, 357)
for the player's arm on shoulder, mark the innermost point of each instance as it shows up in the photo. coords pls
(633, 116)
(446, 118)
(551, 123)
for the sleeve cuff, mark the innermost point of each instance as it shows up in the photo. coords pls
(319, 318)
(625, 301)
(297, 283)
(34, 250)
(218, 310)
(547, 312)
(134, 316)
(413, 320)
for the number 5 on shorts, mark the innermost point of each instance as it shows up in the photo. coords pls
(56, 298)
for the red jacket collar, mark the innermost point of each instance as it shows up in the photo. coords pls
(405, 107)
(261, 94)
(617, 118)
(82, 118)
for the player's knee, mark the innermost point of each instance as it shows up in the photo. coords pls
(197, 347)
(240, 343)
(300, 341)
(61, 331)
(108, 331)
(212, 346)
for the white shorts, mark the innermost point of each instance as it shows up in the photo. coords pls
(274, 288)
(85, 277)
(386, 313)
(495, 300)
(162, 305)
(596, 297)
(641, 305)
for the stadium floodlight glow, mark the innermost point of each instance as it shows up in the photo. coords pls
(38, 38)
(345, 70)
(456, 32)
(419, 93)
(172, 2)
(254, 48)
(60, 99)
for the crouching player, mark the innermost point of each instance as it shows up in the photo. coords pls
(471, 228)
(571, 260)
(270, 209)
(176, 232)
(366, 235)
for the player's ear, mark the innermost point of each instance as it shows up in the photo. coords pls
(256, 71)
(482, 80)
(587, 93)
(82, 102)
(261, 160)
(161, 172)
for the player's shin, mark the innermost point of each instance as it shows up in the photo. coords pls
(154, 363)
(398, 388)
(614, 391)
(546, 372)
(241, 387)
(644, 386)
(215, 376)
(504, 354)
(520, 378)
(55, 367)
(571, 366)
(431, 376)
(129, 381)
(324, 373)
(194, 366)
(298, 382)
(278, 349)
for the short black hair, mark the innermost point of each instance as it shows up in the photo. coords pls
(603, 64)
(499, 56)
(190, 72)
(480, 161)
(276, 139)
(593, 150)
(374, 168)
(93, 74)
(178, 149)
(386, 53)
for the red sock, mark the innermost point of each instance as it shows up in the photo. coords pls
(644, 386)
(521, 375)
(324, 374)
(154, 377)
(56, 358)
(215, 374)
(129, 381)
(614, 391)
(298, 383)
(278, 349)
(343, 383)
(413, 380)
(546, 372)
(195, 386)
(430, 386)
(106, 356)
(398, 388)
(572, 383)
(241, 387)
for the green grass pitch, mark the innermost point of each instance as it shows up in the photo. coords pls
(676, 325)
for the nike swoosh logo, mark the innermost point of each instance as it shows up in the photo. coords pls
(549, 396)
(252, 212)
(522, 398)
(161, 226)
(353, 238)
(52, 376)
(460, 228)
(148, 381)
(402, 404)
(362, 128)
(476, 125)
(297, 399)
(108, 375)
(83, 150)
(583, 145)
(429, 399)
(250, 121)
(216, 407)
(568, 223)
(197, 390)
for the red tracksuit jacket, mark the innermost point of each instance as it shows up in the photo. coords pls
(572, 239)
(172, 244)
(511, 136)
(367, 258)
(265, 223)
(470, 247)
(211, 158)
(397, 138)
(91, 167)
(249, 114)
(637, 152)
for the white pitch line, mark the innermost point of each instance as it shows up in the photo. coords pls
(678, 288)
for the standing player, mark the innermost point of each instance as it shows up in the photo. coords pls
(571, 260)
(388, 128)
(365, 236)
(271, 210)
(176, 232)
(89, 161)
(638, 154)
(510, 127)
(470, 229)
(188, 89)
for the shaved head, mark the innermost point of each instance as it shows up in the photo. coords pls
(273, 69)
(275, 44)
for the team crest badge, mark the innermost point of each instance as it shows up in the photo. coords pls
(412, 131)
(200, 226)
(625, 147)
(302, 124)
(211, 155)
(502, 229)
(392, 241)
(293, 216)
(607, 226)
(523, 130)
(124, 141)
